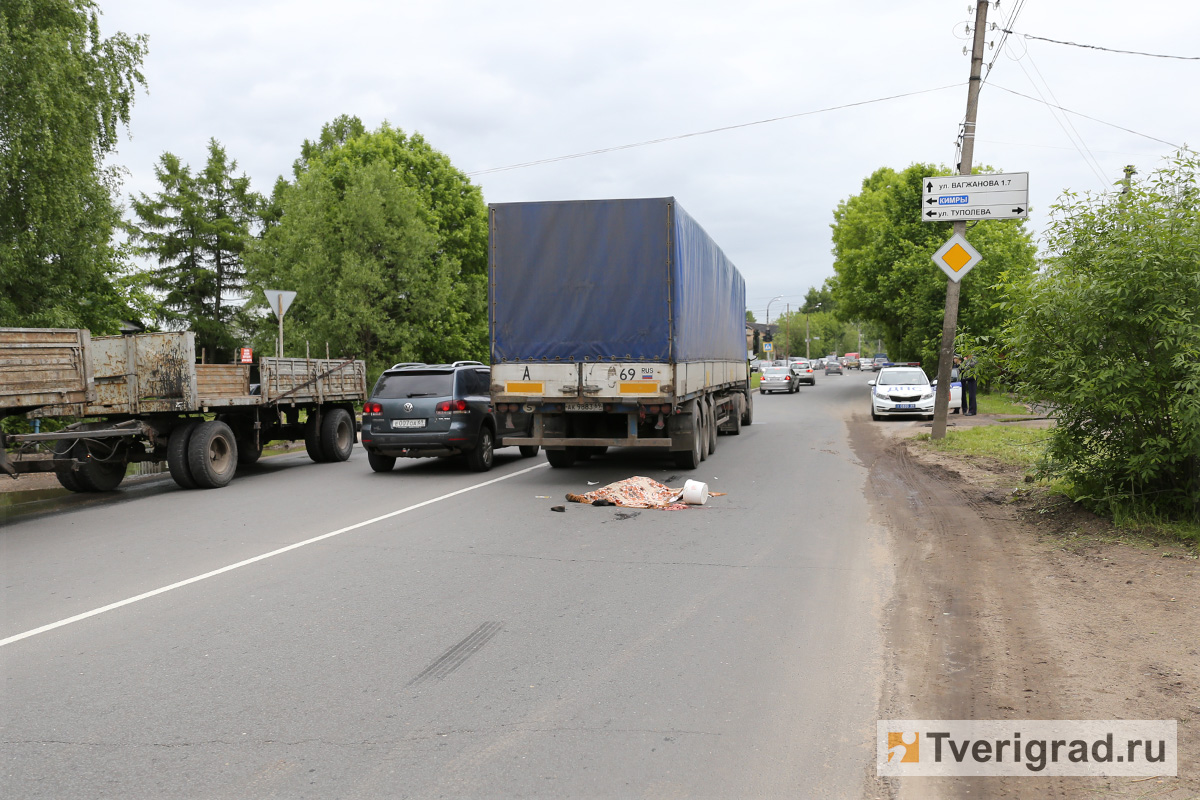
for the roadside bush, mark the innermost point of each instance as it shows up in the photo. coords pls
(1107, 336)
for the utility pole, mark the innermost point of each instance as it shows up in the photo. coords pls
(941, 403)
(787, 334)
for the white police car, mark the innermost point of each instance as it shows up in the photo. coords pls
(901, 391)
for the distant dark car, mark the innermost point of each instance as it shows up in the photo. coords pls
(425, 410)
(832, 367)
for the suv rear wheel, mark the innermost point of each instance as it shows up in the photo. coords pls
(379, 462)
(480, 459)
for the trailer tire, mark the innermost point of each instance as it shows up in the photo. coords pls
(748, 409)
(177, 454)
(249, 452)
(312, 438)
(712, 427)
(337, 435)
(212, 455)
(65, 448)
(100, 476)
(483, 454)
(561, 459)
(529, 450)
(690, 459)
(379, 462)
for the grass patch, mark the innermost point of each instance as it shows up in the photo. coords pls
(755, 380)
(999, 403)
(1020, 447)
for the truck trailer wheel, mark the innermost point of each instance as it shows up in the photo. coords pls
(249, 452)
(65, 448)
(560, 459)
(337, 435)
(748, 409)
(529, 450)
(100, 476)
(312, 437)
(177, 454)
(690, 459)
(712, 427)
(212, 455)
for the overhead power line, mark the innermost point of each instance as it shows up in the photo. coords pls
(1093, 119)
(705, 132)
(1097, 47)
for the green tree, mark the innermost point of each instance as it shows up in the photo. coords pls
(65, 91)
(414, 250)
(750, 316)
(884, 271)
(197, 227)
(1108, 337)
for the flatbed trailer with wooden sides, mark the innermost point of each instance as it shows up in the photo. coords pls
(144, 398)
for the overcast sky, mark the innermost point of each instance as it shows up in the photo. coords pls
(502, 83)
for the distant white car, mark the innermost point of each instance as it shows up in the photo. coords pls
(901, 391)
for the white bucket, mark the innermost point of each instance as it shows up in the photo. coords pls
(695, 493)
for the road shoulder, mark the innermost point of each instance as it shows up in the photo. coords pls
(1011, 604)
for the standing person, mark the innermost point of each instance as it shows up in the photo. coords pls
(967, 371)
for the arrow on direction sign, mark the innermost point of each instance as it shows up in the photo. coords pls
(929, 186)
(931, 201)
(1018, 210)
(931, 213)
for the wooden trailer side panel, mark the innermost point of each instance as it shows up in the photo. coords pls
(44, 366)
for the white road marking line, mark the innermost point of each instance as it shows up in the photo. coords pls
(162, 590)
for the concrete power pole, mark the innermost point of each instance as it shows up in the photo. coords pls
(950, 322)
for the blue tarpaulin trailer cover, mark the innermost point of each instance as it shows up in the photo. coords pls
(610, 280)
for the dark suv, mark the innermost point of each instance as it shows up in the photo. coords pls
(423, 410)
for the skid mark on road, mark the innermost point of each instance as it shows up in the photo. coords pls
(247, 562)
(454, 658)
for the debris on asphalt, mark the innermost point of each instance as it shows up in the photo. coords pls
(558, 508)
(640, 492)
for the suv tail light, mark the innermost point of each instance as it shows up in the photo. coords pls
(446, 406)
(372, 408)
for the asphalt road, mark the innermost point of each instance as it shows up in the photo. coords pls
(437, 632)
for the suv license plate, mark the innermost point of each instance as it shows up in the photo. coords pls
(585, 406)
(408, 423)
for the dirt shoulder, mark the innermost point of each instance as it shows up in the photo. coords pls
(1013, 604)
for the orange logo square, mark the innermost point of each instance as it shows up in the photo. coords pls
(904, 747)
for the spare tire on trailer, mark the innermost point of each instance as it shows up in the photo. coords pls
(212, 455)
(337, 434)
(748, 409)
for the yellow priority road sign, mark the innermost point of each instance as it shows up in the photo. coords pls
(956, 257)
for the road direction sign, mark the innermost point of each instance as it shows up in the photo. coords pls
(956, 257)
(975, 197)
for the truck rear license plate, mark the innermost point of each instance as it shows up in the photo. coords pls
(408, 423)
(585, 406)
